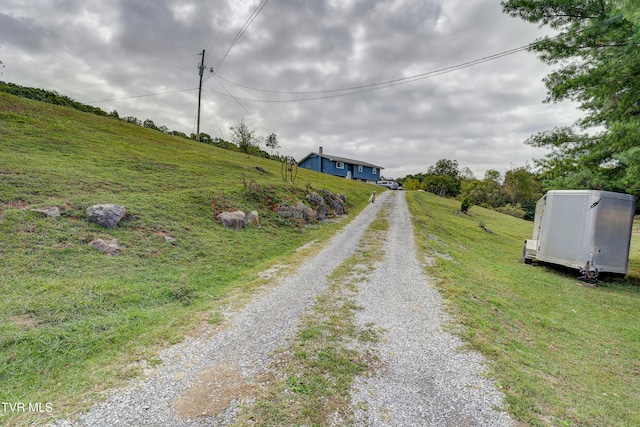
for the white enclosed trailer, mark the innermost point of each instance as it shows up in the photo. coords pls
(587, 230)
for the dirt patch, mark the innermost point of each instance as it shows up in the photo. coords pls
(15, 204)
(214, 390)
(24, 321)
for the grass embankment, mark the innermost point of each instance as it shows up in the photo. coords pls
(564, 354)
(73, 319)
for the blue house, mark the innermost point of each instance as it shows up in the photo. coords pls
(341, 166)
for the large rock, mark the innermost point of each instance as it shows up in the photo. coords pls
(233, 220)
(107, 215)
(336, 204)
(299, 211)
(252, 218)
(318, 203)
(108, 247)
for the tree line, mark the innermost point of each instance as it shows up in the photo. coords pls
(243, 139)
(515, 193)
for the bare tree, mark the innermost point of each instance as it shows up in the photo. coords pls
(244, 137)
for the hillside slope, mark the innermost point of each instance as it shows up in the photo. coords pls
(72, 317)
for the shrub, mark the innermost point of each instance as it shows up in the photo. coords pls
(513, 210)
(466, 205)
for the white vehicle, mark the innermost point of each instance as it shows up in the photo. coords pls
(391, 185)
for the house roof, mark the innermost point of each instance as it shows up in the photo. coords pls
(340, 159)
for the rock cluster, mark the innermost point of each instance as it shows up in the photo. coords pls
(322, 207)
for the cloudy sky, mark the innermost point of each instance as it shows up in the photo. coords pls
(374, 80)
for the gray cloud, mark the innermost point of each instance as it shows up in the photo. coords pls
(479, 116)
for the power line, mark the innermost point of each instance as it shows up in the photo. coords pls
(141, 96)
(354, 90)
(226, 20)
(244, 28)
(391, 83)
(240, 104)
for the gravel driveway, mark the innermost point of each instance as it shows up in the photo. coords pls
(426, 380)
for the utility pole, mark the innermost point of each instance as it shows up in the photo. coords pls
(201, 72)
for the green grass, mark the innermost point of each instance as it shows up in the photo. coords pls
(72, 319)
(564, 354)
(309, 381)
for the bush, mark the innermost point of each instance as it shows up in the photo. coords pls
(466, 205)
(513, 210)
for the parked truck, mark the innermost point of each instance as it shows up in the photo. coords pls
(587, 230)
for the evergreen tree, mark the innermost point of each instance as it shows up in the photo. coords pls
(596, 55)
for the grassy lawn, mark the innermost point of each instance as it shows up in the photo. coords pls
(563, 353)
(72, 319)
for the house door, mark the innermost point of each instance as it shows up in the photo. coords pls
(349, 171)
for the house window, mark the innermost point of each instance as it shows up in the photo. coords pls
(339, 165)
(374, 171)
(360, 168)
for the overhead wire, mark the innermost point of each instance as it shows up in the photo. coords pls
(354, 90)
(240, 104)
(350, 90)
(226, 19)
(141, 96)
(384, 84)
(239, 35)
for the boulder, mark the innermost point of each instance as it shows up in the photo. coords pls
(299, 211)
(53, 212)
(318, 203)
(107, 215)
(334, 202)
(233, 220)
(108, 247)
(252, 218)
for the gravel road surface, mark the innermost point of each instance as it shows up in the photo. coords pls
(426, 380)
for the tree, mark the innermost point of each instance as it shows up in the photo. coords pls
(596, 57)
(243, 137)
(521, 185)
(493, 175)
(443, 178)
(272, 142)
(521, 191)
(148, 123)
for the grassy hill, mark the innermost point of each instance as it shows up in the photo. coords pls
(562, 352)
(73, 319)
